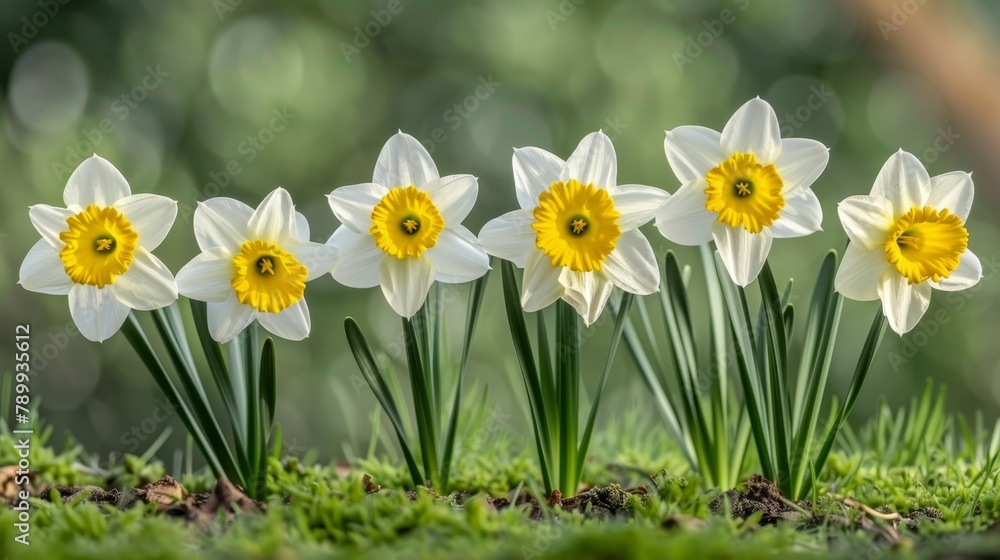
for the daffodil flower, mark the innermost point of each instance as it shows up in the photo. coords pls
(742, 187)
(576, 235)
(908, 237)
(97, 250)
(404, 230)
(254, 265)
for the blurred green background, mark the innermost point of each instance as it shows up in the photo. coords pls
(174, 93)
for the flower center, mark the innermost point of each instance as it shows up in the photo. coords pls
(100, 244)
(745, 193)
(406, 223)
(576, 225)
(267, 278)
(926, 243)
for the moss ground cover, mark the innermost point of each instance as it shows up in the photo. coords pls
(902, 497)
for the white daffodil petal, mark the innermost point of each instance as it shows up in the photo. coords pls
(510, 237)
(904, 181)
(274, 219)
(147, 285)
(637, 204)
(318, 258)
(207, 277)
(50, 221)
(683, 218)
(228, 318)
(221, 222)
(97, 312)
(534, 172)
(453, 196)
(800, 162)
(753, 129)
(405, 283)
(404, 162)
(860, 273)
(302, 231)
(95, 181)
(151, 215)
(903, 303)
(358, 257)
(587, 292)
(693, 151)
(967, 275)
(953, 192)
(292, 323)
(632, 265)
(353, 205)
(458, 257)
(540, 286)
(742, 252)
(594, 162)
(866, 219)
(801, 216)
(43, 272)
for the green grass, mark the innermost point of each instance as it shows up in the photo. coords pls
(330, 515)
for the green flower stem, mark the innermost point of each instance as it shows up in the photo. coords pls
(422, 403)
(568, 383)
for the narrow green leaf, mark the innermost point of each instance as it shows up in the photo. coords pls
(546, 369)
(372, 373)
(216, 364)
(526, 358)
(821, 336)
(678, 321)
(197, 398)
(135, 335)
(616, 336)
(471, 319)
(777, 355)
(718, 353)
(749, 368)
(660, 398)
(865, 359)
(815, 320)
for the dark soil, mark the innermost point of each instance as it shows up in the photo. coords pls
(171, 499)
(758, 495)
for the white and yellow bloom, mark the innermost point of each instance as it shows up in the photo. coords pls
(576, 235)
(908, 237)
(97, 249)
(254, 265)
(742, 187)
(404, 230)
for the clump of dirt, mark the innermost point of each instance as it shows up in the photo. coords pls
(603, 502)
(171, 500)
(757, 495)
